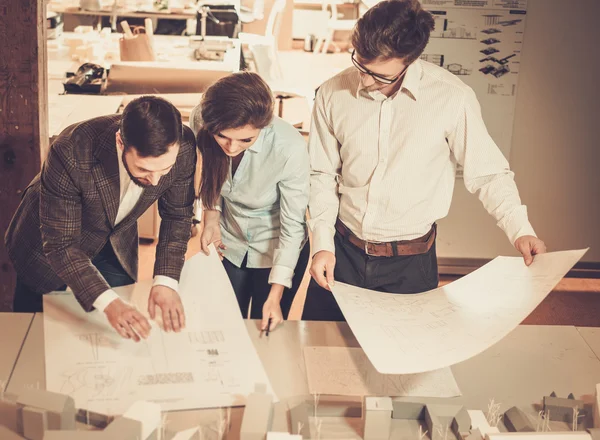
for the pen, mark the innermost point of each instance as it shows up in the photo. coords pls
(268, 326)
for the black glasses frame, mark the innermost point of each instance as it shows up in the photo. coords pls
(379, 78)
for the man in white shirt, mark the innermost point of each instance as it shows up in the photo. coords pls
(77, 223)
(387, 136)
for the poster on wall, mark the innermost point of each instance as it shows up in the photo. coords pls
(480, 41)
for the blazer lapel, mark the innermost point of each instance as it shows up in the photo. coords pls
(106, 173)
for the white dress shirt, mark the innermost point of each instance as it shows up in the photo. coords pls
(130, 194)
(386, 166)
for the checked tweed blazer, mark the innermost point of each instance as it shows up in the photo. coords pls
(68, 213)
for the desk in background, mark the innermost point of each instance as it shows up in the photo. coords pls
(174, 71)
(74, 15)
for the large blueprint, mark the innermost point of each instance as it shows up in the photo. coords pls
(212, 363)
(404, 334)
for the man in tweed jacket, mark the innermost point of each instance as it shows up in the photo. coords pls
(76, 225)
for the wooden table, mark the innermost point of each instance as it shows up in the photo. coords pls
(529, 363)
(13, 330)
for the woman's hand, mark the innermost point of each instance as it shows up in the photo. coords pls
(211, 234)
(272, 309)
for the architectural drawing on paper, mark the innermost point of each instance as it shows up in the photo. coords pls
(501, 61)
(347, 372)
(509, 22)
(489, 41)
(166, 379)
(491, 19)
(211, 363)
(400, 334)
(97, 381)
(206, 337)
(491, 31)
(489, 51)
(458, 33)
(501, 71)
(96, 341)
(445, 28)
(433, 58)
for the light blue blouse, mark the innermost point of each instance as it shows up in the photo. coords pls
(263, 207)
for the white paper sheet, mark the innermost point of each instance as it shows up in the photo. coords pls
(212, 363)
(347, 372)
(403, 334)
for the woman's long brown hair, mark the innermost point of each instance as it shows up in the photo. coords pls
(232, 102)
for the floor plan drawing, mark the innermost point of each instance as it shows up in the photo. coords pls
(211, 363)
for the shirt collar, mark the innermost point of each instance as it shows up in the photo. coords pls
(258, 145)
(410, 83)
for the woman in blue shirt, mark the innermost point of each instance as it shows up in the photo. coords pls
(254, 189)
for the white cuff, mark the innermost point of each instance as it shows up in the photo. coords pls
(162, 280)
(105, 299)
(517, 224)
(323, 239)
(281, 275)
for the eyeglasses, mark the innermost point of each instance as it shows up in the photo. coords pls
(379, 78)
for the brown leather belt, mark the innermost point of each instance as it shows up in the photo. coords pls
(416, 246)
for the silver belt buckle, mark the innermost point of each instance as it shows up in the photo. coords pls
(367, 243)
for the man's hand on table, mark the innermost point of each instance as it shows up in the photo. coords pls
(170, 304)
(127, 320)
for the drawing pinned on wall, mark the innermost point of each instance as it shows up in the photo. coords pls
(501, 61)
(487, 69)
(489, 51)
(434, 59)
(509, 22)
(462, 29)
(491, 19)
(458, 33)
(489, 41)
(502, 89)
(458, 69)
(501, 71)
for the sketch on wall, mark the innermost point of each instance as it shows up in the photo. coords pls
(480, 42)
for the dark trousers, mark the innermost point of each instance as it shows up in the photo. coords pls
(401, 274)
(28, 301)
(253, 284)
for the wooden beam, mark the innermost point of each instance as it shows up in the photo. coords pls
(23, 114)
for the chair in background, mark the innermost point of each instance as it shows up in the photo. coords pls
(267, 66)
(334, 24)
(272, 31)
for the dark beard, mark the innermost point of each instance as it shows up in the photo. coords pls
(134, 179)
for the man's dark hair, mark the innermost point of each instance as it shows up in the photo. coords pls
(393, 29)
(150, 125)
